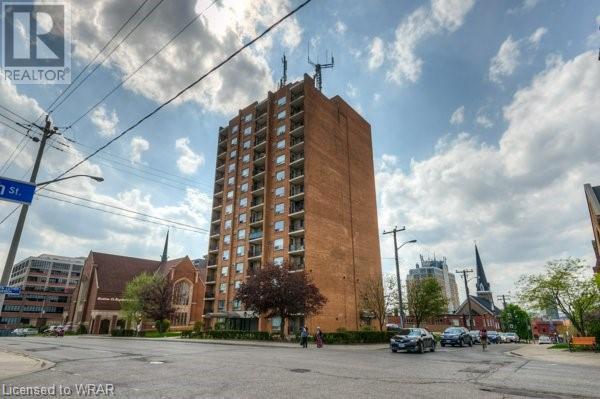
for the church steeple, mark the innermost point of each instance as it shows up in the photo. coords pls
(163, 258)
(482, 283)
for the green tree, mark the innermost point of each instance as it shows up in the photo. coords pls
(425, 299)
(132, 305)
(149, 296)
(373, 299)
(564, 286)
(514, 318)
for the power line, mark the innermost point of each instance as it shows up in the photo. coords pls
(184, 90)
(15, 114)
(107, 56)
(96, 56)
(125, 209)
(10, 214)
(120, 214)
(171, 40)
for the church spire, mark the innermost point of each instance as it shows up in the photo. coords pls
(163, 258)
(482, 283)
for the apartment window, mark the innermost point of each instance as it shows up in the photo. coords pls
(279, 209)
(248, 117)
(234, 141)
(279, 176)
(231, 180)
(230, 194)
(240, 250)
(244, 187)
(234, 129)
(243, 202)
(279, 225)
(278, 261)
(276, 324)
(228, 224)
(239, 267)
(231, 167)
(280, 160)
(221, 304)
(228, 209)
(245, 172)
(226, 254)
(233, 154)
(279, 192)
(278, 244)
(246, 144)
(281, 115)
(281, 144)
(227, 239)
(246, 158)
(241, 234)
(280, 130)
(225, 271)
(248, 131)
(242, 218)
(237, 284)
(281, 101)
(223, 287)
(237, 304)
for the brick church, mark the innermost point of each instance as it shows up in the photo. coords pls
(97, 299)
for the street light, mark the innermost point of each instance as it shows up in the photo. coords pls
(96, 178)
(399, 280)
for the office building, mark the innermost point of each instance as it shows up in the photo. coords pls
(294, 183)
(592, 195)
(437, 269)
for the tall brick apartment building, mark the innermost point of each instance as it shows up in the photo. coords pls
(294, 183)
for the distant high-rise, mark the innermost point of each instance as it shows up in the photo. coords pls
(592, 195)
(294, 183)
(438, 269)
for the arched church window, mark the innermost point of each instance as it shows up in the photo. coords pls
(181, 293)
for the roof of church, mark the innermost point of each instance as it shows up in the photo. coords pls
(486, 304)
(482, 283)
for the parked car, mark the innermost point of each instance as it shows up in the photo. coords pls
(456, 336)
(512, 337)
(413, 340)
(392, 327)
(544, 339)
(476, 336)
(23, 332)
(493, 337)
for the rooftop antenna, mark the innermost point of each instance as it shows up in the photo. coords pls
(318, 67)
(283, 79)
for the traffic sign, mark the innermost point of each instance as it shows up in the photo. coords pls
(5, 289)
(16, 191)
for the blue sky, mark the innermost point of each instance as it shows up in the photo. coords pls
(507, 170)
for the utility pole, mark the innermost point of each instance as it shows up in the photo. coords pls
(400, 303)
(503, 298)
(464, 273)
(47, 132)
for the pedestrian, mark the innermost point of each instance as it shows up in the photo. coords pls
(138, 329)
(319, 337)
(483, 336)
(304, 337)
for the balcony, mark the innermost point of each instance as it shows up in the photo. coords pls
(209, 295)
(259, 158)
(257, 202)
(295, 142)
(260, 144)
(217, 203)
(260, 126)
(296, 175)
(296, 190)
(296, 158)
(296, 111)
(258, 172)
(296, 207)
(211, 277)
(257, 185)
(254, 252)
(296, 263)
(220, 164)
(297, 227)
(222, 135)
(256, 218)
(215, 231)
(255, 235)
(297, 247)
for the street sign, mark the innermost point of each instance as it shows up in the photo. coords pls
(16, 191)
(5, 289)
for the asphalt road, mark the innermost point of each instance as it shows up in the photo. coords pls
(175, 369)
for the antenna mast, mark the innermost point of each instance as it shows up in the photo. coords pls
(283, 79)
(318, 77)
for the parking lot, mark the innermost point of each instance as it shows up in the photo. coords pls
(175, 369)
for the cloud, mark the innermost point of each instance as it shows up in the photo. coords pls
(505, 62)
(138, 145)
(376, 53)
(525, 6)
(440, 17)
(340, 27)
(593, 40)
(105, 122)
(484, 121)
(188, 161)
(351, 90)
(536, 36)
(225, 27)
(520, 198)
(458, 116)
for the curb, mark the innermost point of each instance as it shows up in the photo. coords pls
(41, 365)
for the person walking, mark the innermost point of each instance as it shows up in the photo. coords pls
(304, 337)
(138, 329)
(483, 336)
(319, 337)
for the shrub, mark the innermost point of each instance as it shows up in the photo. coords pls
(230, 334)
(358, 337)
(366, 328)
(341, 329)
(118, 332)
(220, 326)
(198, 326)
(188, 333)
(81, 329)
(162, 326)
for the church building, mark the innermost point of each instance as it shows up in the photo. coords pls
(97, 298)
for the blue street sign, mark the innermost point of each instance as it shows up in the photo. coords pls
(4, 289)
(16, 191)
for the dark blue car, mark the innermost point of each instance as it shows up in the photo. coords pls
(456, 336)
(412, 340)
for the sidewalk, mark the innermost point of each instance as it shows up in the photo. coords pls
(14, 364)
(265, 344)
(541, 352)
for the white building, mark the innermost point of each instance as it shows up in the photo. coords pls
(438, 269)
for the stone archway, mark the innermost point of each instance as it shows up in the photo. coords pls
(104, 326)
